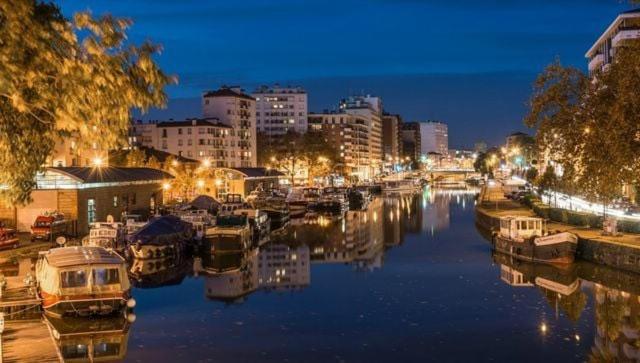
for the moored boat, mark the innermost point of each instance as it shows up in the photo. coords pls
(231, 233)
(162, 237)
(109, 234)
(401, 186)
(83, 281)
(297, 203)
(231, 203)
(525, 238)
(259, 223)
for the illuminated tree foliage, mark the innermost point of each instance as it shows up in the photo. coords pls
(590, 126)
(62, 77)
(293, 152)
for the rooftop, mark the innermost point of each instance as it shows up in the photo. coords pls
(77, 256)
(258, 172)
(111, 174)
(634, 13)
(119, 157)
(228, 92)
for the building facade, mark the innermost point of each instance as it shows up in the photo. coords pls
(624, 28)
(200, 139)
(434, 137)
(70, 151)
(280, 109)
(391, 138)
(351, 134)
(237, 110)
(411, 140)
(368, 108)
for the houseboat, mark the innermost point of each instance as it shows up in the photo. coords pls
(297, 203)
(358, 198)
(110, 235)
(329, 204)
(231, 233)
(83, 281)
(8, 237)
(525, 238)
(231, 203)
(162, 237)
(277, 210)
(48, 226)
(259, 223)
(200, 220)
(339, 194)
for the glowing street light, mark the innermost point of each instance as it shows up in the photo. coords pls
(166, 186)
(97, 162)
(206, 163)
(175, 163)
(200, 183)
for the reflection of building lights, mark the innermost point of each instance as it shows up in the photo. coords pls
(543, 328)
(577, 337)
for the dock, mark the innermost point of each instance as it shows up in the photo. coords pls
(28, 341)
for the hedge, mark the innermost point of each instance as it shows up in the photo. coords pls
(628, 226)
(575, 218)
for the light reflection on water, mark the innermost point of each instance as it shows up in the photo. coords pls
(409, 279)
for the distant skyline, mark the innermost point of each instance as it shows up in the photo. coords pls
(467, 63)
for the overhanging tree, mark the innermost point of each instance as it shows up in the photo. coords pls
(61, 77)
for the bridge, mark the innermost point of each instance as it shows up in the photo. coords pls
(451, 174)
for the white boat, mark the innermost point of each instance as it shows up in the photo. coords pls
(200, 219)
(109, 235)
(297, 203)
(259, 222)
(232, 233)
(525, 238)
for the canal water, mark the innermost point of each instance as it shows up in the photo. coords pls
(409, 279)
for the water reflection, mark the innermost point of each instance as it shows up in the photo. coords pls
(401, 250)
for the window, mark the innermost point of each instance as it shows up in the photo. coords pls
(179, 131)
(180, 142)
(73, 278)
(189, 142)
(189, 131)
(91, 210)
(115, 201)
(105, 276)
(164, 133)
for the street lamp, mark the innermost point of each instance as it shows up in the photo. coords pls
(206, 163)
(97, 162)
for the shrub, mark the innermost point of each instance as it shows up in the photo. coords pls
(542, 210)
(578, 219)
(558, 215)
(595, 221)
(628, 226)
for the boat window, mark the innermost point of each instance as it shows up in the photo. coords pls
(73, 278)
(75, 351)
(42, 224)
(105, 276)
(532, 224)
(106, 349)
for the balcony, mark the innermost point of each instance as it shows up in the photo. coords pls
(596, 62)
(624, 35)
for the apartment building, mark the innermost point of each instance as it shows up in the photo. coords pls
(280, 109)
(391, 138)
(200, 139)
(351, 134)
(625, 27)
(70, 151)
(369, 108)
(434, 138)
(237, 110)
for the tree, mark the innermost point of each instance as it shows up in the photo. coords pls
(61, 77)
(485, 162)
(135, 158)
(548, 180)
(293, 152)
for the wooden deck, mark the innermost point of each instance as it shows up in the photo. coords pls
(28, 341)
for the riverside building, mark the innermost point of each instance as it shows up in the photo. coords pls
(625, 27)
(280, 109)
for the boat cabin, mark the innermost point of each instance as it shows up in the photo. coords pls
(82, 280)
(519, 228)
(108, 234)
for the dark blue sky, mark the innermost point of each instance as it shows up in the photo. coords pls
(468, 63)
